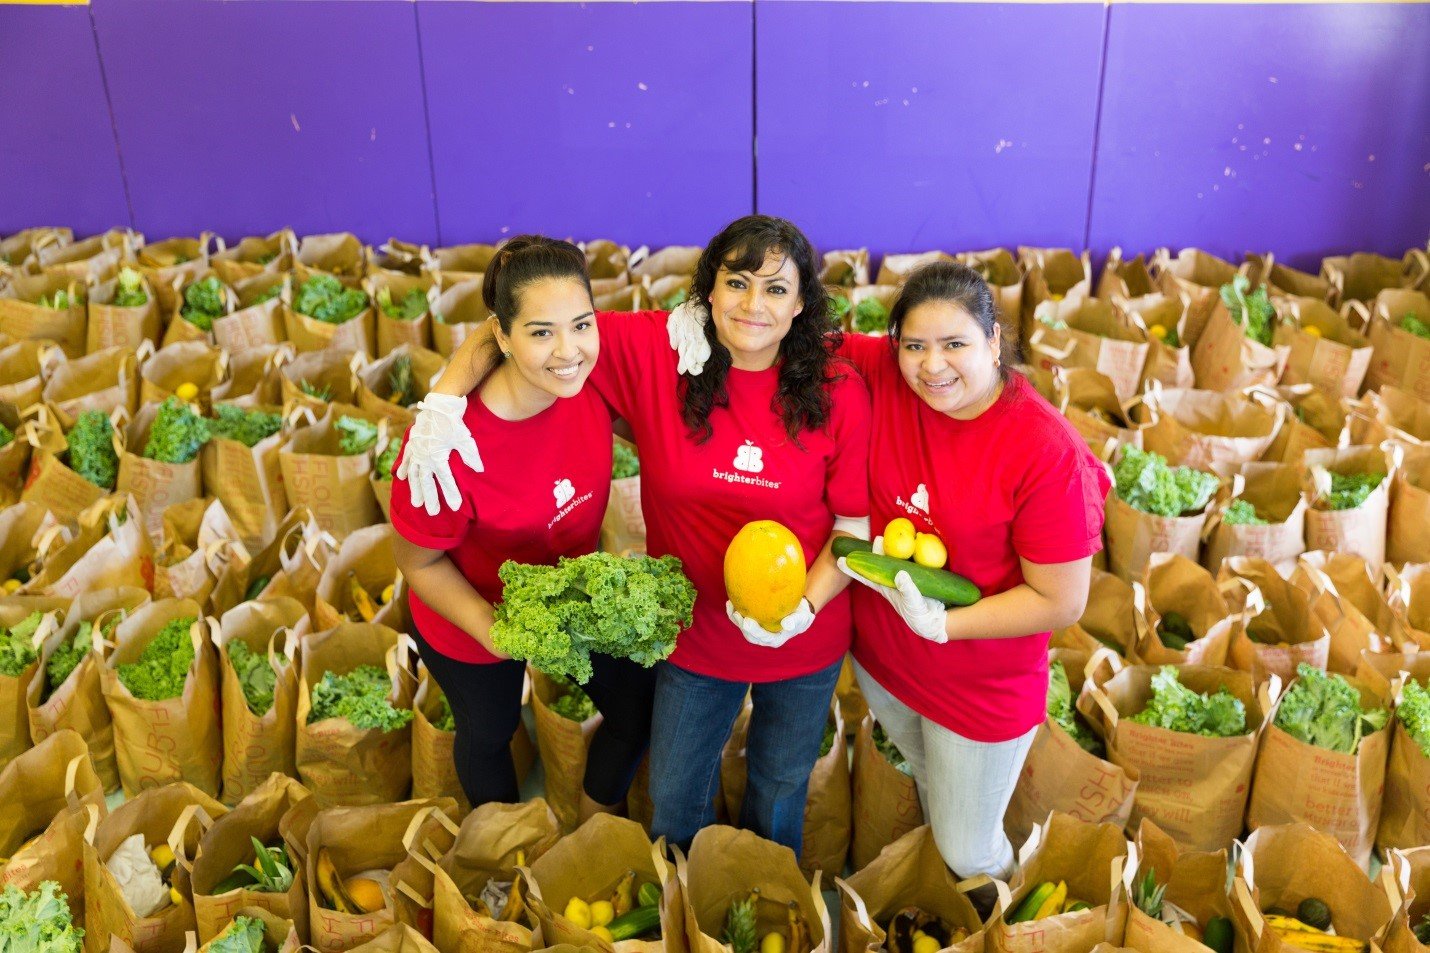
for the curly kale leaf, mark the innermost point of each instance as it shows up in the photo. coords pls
(91, 449)
(870, 316)
(387, 460)
(243, 935)
(625, 463)
(162, 667)
(1325, 710)
(1350, 490)
(1145, 482)
(6, 435)
(177, 434)
(129, 291)
(255, 674)
(1414, 711)
(446, 721)
(574, 704)
(556, 616)
(37, 921)
(1253, 312)
(60, 301)
(675, 299)
(324, 298)
(203, 301)
(1176, 707)
(838, 307)
(891, 753)
(1241, 513)
(248, 427)
(355, 435)
(1060, 707)
(412, 306)
(360, 696)
(17, 650)
(67, 656)
(1411, 322)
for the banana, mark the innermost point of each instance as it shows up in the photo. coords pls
(515, 902)
(1033, 902)
(163, 858)
(330, 883)
(362, 602)
(799, 939)
(1321, 942)
(1054, 903)
(624, 898)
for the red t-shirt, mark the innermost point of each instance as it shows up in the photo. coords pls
(541, 495)
(1017, 481)
(696, 496)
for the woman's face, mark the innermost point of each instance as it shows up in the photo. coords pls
(753, 311)
(947, 360)
(553, 342)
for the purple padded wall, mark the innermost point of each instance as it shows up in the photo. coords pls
(1303, 129)
(244, 117)
(616, 120)
(911, 126)
(58, 164)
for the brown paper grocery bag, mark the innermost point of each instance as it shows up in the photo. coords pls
(682, 259)
(180, 328)
(158, 814)
(279, 934)
(463, 262)
(1093, 860)
(23, 318)
(97, 254)
(20, 525)
(154, 484)
(1100, 337)
(563, 744)
(258, 745)
(318, 378)
(1277, 629)
(1399, 358)
(1195, 882)
(340, 253)
(1192, 787)
(14, 689)
(1274, 489)
(1052, 274)
(1196, 274)
(1202, 429)
(248, 481)
(1124, 277)
(16, 249)
(1335, 356)
(1361, 530)
(190, 362)
(1362, 275)
(177, 739)
(333, 486)
(1406, 878)
(1284, 281)
(227, 842)
(1088, 399)
(257, 318)
(392, 330)
(910, 872)
(104, 381)
(1133, 536)
(364, 559)
(1225, 358)
(290, 566)
(1313, 419)
(1406, 540)
(112, 325)
(1106, 620)
(176, 258)
(1281, 865)
(109, 549)
(895, 269)
(1408, 593)
(1405, 811)
(1336, 793)
(1169, 359)
(378, 383)
(355, 839)
(1401, 415)
(254, 256)
(1176, 585)
(24, 366)
(43, 797)
(1346, 596)
(254, 379)
(51, 483)
(339, 762)
(309, 334)
(398, 938)
(491, 844)
(458, 312)
(885, 800)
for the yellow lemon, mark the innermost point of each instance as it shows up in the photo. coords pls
(10, 586)
(773, 942)
(604, 934)
(1312, 330)
(602, 913)
(1055, 297)
(764, 572)
(929, 551)
(1157, 331)
(186, 391)
(899, 538)
(926, 944)
(579, 913)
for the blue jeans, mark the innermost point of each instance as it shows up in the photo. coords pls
(692, 721)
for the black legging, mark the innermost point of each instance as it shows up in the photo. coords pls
(486, 707)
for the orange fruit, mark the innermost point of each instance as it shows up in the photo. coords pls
(764, 572)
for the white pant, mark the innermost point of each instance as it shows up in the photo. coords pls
(964, 786)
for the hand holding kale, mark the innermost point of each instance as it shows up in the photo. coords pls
(1145, 482)
(1176, 707)
(1325, 711)
(555, 616)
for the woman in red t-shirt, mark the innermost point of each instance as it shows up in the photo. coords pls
(537, 493)
(775, 428)
(967, 450)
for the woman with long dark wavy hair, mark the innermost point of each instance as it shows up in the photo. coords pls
(772, 426)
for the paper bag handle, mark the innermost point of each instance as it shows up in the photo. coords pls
(1241, 897)
(861, 910)
(72, 776)
(190, 814)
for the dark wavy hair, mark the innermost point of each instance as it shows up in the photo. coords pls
(955, 284)
(806, 354)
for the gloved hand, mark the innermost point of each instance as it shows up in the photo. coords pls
(791, 625)
(928, 618)
(438, 430)
(686, 327)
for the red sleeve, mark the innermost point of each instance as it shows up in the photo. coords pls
(443, 531)
(847, 475)
(864, 351)
(1060, 513)
(629, 342)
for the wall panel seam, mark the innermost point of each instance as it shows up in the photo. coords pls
(1097, 122)
(427, 125)
(113, 120)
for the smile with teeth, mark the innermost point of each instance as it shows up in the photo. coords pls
(568, 372)
(940, 386)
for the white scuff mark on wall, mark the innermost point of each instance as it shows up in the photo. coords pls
(1297, 147)
(906, 102)
(1370, 158)
(610, 125)
(372, 136)
(1001, 145)
(1226, 171)
(1271, 80)
(881, 102)
(1266, 141)
(293, 118)
(642, 87)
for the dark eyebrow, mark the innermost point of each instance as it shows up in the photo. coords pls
(548, 324)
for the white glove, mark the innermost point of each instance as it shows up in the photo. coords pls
(686, 327)
(438, 430)
(791, 625)
(928, 618)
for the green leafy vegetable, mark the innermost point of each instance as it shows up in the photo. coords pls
(255, 675)
(387, 460)
(1414, 711)
(17, 651)
(1325, 711)
(177, 434)
(1241, 513)
(1145, 482)
(1175, 631)
(6, 435)
(60, 301)
(446, 721)
(37, 921)
(574, 704)
(203, 301)
(1148, 896)
(826, 744)
(1060, 708)
(360, 696)
(313, 390)
(1350, 490)
(870, 316)
(555, 616)
(412, 306)
(1176, 707)
(355, 435)
(129, 291)
(69, 653)
(164, 664)
(91, 449)
(271, 870)
(675, 299)
(838, 307)
(1170, 337)
(399, 381)
(625, 463)
(243, 935)
(1253, 312)
(1411, 322)
(248, 427)
(268, 294)
(324, 298)
(891, 753)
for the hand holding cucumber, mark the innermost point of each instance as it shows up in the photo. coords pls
(925, 616)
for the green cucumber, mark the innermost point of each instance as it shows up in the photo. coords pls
(844, 545)
(631, 925)
(949, 588)
(1218, 935)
